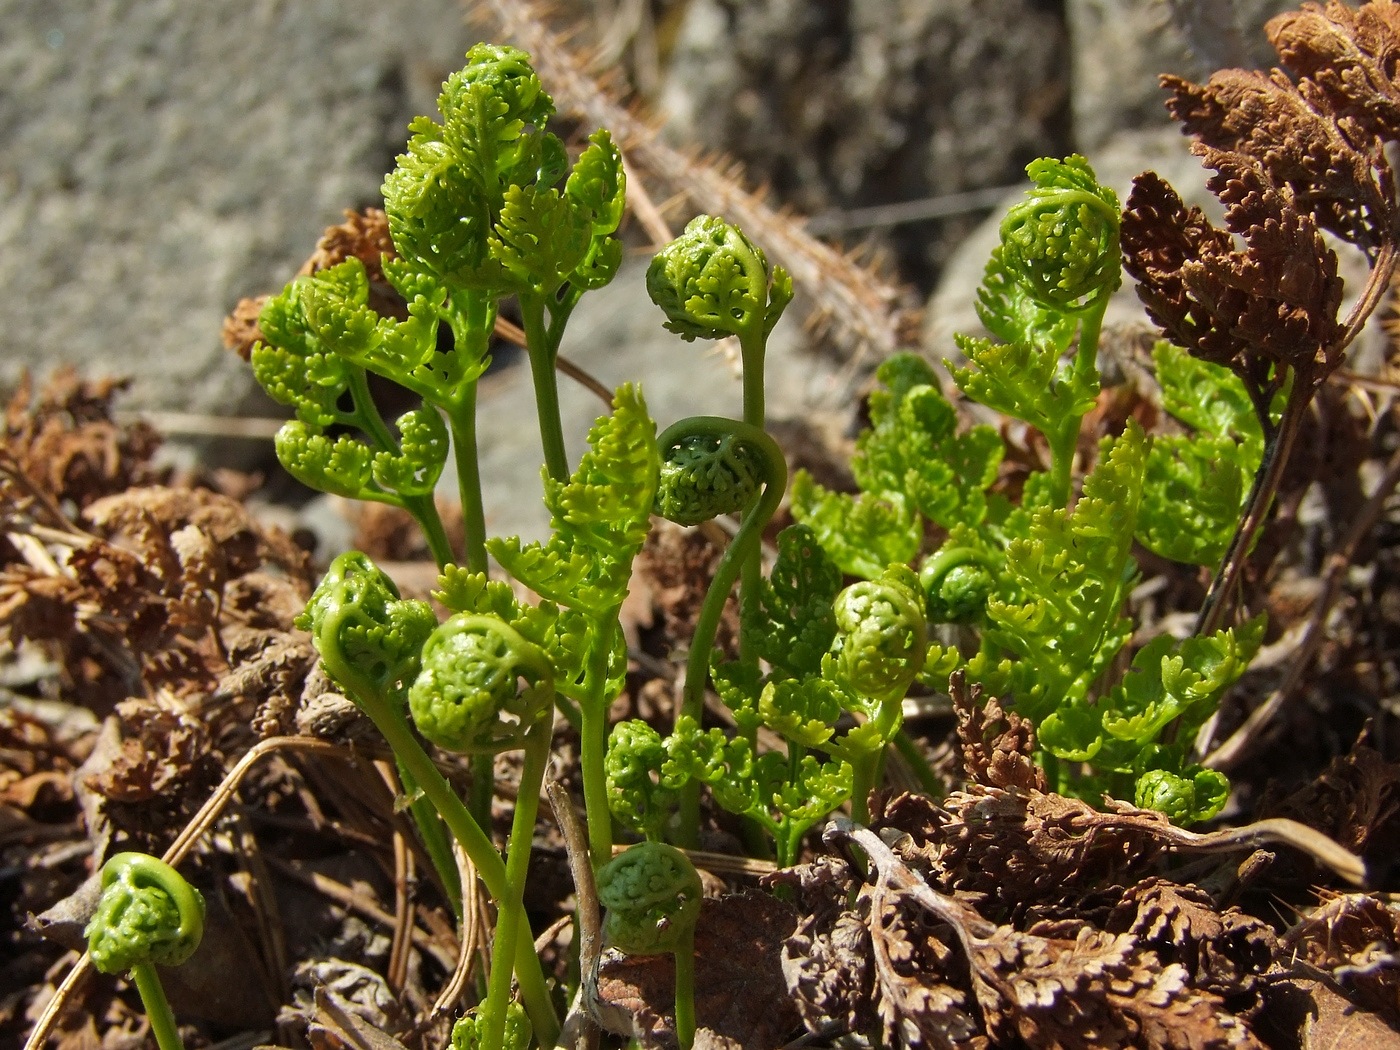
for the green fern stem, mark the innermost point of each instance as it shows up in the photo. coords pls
(1064, 440)
(542, 340)
(685, 991)
(389, 719)
(744, 546)
(422, 508)
(513, 937)
(462, 422)
(593, 744)
(158, 1012)
(753, 345)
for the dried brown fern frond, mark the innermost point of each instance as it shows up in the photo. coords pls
(1294, 155)
(865, 314)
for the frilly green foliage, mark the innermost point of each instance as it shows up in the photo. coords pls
(911, 464)
(469, 1033)
(363, 628)
(1197, 483)
(1066, 582)
(1169, 682)
(321, 339)
(1062, 241)
(786, 795)
(1025, 381)
(652, 894)
(862, 533)
(642, 792)
(1044, 582)
(473, 200)
(792, 623)
(828, 652)
(600, 517)
(712, 282)
(147, 913)
(481, 687)
(881, 636)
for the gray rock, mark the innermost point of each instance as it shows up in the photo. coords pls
(1120, 47)
(871, 102)
(165, 158)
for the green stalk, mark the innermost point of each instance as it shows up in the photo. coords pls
(511, 909)
(462, 421)
(541, 343)
(744, 545)
(1064, 440)
(435, 839)
(593, 746)
(685, 992)
(158, 1012)
(753, 345)
(393, 726)
(424, 510)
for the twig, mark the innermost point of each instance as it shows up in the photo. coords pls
(397, 971)
(581, 1028)
(471, 942)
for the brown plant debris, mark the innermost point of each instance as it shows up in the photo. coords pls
(62, 447)
(1292, 157)
(741, 998)
(997, 745)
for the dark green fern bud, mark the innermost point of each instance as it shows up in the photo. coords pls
(706, 475)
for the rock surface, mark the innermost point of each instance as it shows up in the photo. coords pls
(165, 158)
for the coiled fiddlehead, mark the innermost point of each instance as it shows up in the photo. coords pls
(481, 687)
(761, 451)
(652, 893)
(704, 475)
(372, 643)
(1062, 241)
(880, 648)
(713, 282)
(147, 915)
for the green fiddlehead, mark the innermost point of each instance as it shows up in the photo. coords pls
(713, 282)
(372, 643)
(880, 648)
(652, 894)
(147, 915)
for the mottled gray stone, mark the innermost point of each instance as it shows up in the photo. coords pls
(865, 102)
(1121, 46)
(164, 158)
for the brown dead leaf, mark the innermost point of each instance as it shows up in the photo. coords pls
(1355, 800)
(155, 751)
(1354, 939)
(1222, 952)
(63, 439)
(997, 745)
